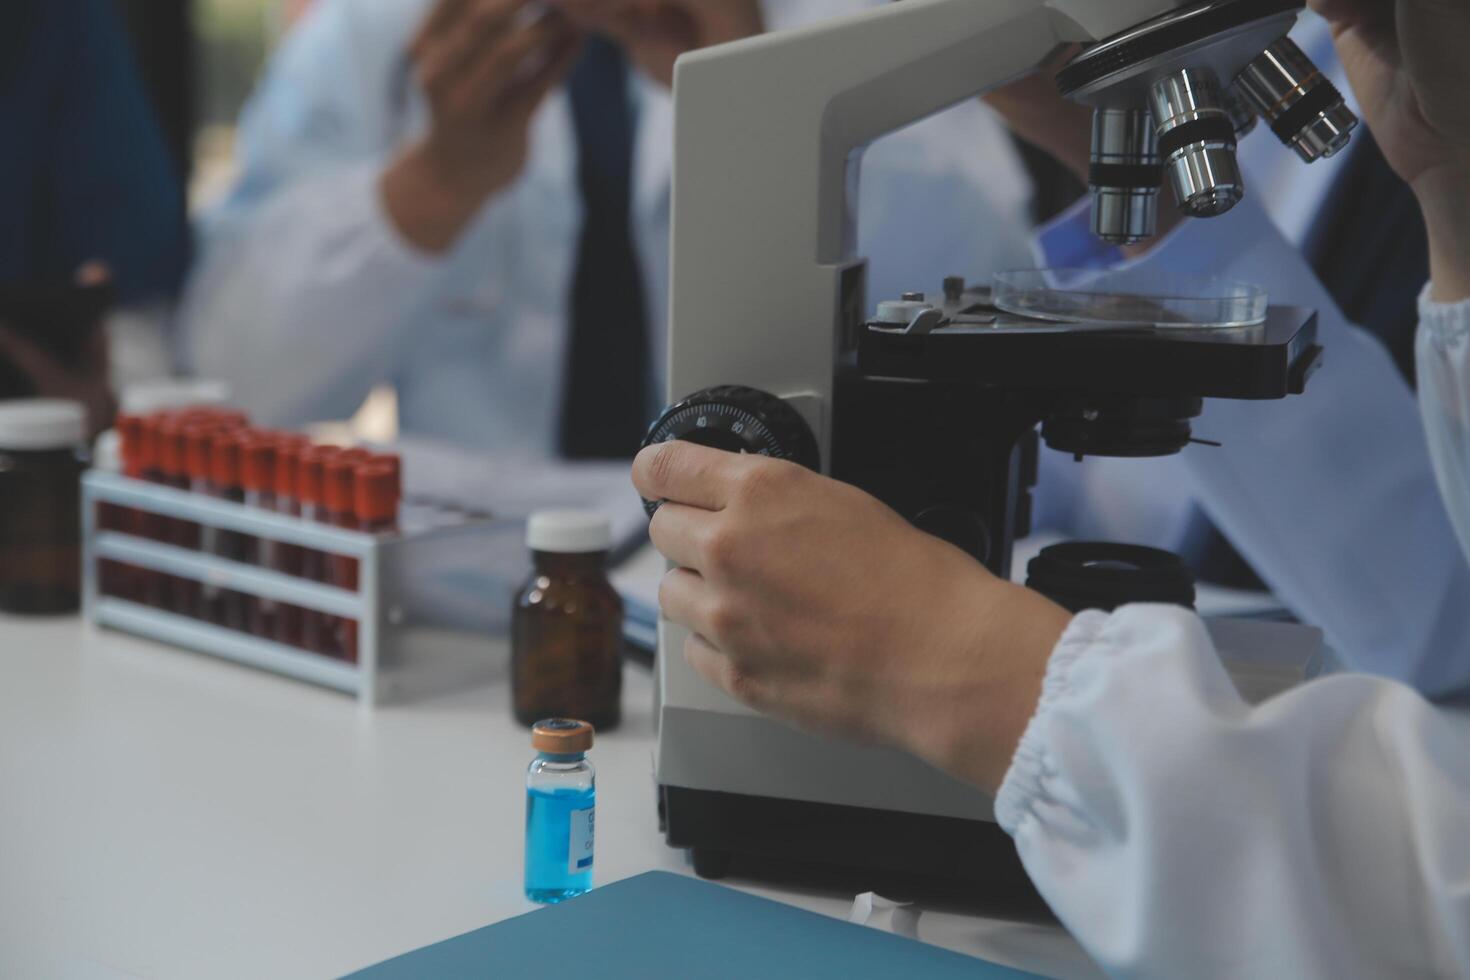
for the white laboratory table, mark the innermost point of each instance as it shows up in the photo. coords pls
(164, 814)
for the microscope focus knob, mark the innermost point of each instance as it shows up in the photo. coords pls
(739, 420)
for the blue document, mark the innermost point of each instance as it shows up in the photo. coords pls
(665, 925)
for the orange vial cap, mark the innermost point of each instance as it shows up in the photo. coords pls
(375, 493)
(391, 460)
(258, 464)
(288, 461)
(197, 441)
(224, 459)
(148, 442)
(355, 455)
(309, 472)
(170, 447)
(130, 434)
(337, 474)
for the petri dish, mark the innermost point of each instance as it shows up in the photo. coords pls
(1132, 297)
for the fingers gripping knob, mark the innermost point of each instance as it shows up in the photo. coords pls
(737, 419)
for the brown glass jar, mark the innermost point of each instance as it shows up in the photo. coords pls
(567, 624)
(42, 457)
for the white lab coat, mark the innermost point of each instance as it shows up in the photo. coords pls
(305, 296)
(1179, 832)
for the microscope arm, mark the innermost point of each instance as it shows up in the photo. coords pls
(767, 136)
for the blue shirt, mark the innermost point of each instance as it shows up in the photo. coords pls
(85, 173)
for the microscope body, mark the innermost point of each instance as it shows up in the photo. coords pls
(773, 350)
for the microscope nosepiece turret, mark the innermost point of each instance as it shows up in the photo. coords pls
(1173, 96)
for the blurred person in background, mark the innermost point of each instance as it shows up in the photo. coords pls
(93, 211)
(469, 199)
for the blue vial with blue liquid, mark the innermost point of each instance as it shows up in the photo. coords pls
(561, 797)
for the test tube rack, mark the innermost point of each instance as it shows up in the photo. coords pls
(389, 666)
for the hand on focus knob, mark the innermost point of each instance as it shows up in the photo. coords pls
(810, 600)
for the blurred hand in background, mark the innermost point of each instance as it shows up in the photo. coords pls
(655, 32)
(485, 67)
(83, 378)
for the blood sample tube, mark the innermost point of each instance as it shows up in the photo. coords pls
(154, 587)
(229, 418)
(113, 577)
(220, 418)
(288, 556)
(170, 446)
(224, 472)
(393, 462)
(224, 465)
(258, 477)
(204, 600)
(111, 517)
(258, 470)
(376, 492)
(197, 441)
(309, 479)
(148, 450)
(377, 489)
(287, 463)
(338, 479)
(315, 626)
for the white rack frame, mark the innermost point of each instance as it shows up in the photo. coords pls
(374, 611)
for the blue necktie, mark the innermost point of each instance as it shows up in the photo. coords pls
(606, 397)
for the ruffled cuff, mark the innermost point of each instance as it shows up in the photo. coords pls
(1445, 324)
(1024, 781)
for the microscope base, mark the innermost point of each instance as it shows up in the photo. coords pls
(906, 856)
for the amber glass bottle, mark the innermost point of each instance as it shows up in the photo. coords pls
(567, 624)
(41, 463)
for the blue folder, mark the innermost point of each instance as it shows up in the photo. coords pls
(665, 925)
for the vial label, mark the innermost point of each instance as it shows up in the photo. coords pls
(579, 844)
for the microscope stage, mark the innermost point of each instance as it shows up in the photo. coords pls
(1271, 360)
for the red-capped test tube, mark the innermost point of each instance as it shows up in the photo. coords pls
(338, 486)
(376, 492)
(130, 444)
(315, 626)
(155, 588)
(224, 473)
(258, 479)
(169, 445)
(113, 577)
(288, 556)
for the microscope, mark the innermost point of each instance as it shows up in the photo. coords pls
(936, 405)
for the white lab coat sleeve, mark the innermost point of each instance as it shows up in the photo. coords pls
(1331, 495)
(1442, 349)
(1178, 832)
(303, 287)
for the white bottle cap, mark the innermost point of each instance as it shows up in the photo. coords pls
(161, 394)
(42, 423)
(573, 532)
(107, 452)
